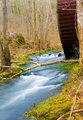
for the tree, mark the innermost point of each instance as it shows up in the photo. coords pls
(5, 53)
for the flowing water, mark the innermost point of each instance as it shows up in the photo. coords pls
(19, 95)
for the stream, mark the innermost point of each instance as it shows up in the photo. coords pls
(20, 94)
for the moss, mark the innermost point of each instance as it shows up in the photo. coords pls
(56, 106)
(68, 67)
(20, 40)
(18, 57)
(8, 73)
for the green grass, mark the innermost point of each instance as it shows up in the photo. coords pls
(19, 57)
(56, 106)
(66, 66)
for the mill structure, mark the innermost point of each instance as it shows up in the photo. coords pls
(67, 24)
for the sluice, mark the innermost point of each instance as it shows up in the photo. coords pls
(67, 22)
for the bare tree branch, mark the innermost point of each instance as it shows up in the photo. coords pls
(44, 64)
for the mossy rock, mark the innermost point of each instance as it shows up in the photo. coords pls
(19, 40)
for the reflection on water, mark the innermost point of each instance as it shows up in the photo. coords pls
(31, 87)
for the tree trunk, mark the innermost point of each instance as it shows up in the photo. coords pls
(34, 5)
(80, 28)
(6, 52)
(1, 54)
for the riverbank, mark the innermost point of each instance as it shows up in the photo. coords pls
(21, 93)
(21, 55)
(60, 105)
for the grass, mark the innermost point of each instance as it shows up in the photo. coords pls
(56, 106)
(11, 71)
(67, 67)
(19, 56)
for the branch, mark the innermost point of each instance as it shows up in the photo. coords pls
(44, 64)
(75, 100)
(23, 62)
(72, 112)
(23, 71)
(60, 61)
(76, 111)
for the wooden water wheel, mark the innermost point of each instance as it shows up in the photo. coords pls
(67, 18)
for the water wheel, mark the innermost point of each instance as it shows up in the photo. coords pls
(67, 22)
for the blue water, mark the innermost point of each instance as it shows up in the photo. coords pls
(19, 95)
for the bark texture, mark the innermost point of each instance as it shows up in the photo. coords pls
(6, 52)
(80, 28)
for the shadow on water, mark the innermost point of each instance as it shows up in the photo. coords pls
(31, 87)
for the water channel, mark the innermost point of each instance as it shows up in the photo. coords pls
(19, 95)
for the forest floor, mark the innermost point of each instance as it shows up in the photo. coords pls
(59, 107)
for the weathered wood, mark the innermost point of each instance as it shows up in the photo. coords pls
(44, 64)
(67, 16)
(76, 111)
(75, 100)
(23, 62)
(23, 71)
(72, 109)
(60, 61)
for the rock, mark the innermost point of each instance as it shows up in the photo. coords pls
(49, 54)
(59, 55)
(34, 105)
